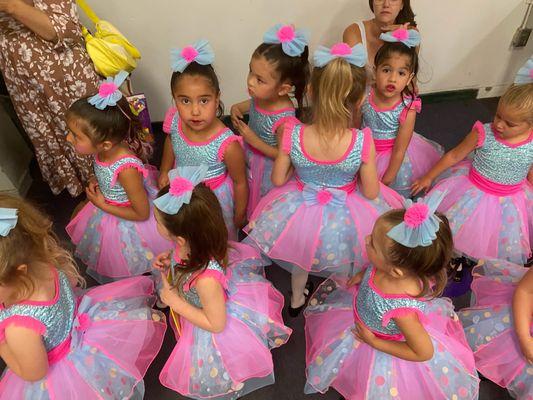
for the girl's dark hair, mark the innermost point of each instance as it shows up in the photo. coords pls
(293, 69)
(201, 224)
(405, 15)
(387, 50)
(206, 71)
(113, 123)
(428, 263)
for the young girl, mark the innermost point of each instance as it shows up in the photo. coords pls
(406, 343)
(277, 65)
(499, 325)
(390, 112)
(489, 200)
(198, 137)
(115, 233)
(317, 222)
(229, 314)
(59, 347)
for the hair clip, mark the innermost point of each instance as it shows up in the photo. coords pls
(200, 52)
(8, 220)
(293, 41)
(525, 74)
(354, 55)
(108, 92)
(409, 37)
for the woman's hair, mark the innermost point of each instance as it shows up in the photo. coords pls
(296, 70)
(114, 123)
(201, 224)
(387, 50)
(428, 263)
(405, 15)
(520, 97)
(337, 88)
(31, 242)
(205, 71)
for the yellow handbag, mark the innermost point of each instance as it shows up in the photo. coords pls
(109, 50)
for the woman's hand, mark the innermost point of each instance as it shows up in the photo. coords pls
(7, 6)
(162, 261)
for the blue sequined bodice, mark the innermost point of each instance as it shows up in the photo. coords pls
(334, 174)
(56, 316)
(107, 176)
(372, 306)
(500, 162)
(191, 295)
(195, 154)
(261, 123)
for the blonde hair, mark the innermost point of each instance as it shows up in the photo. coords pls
(31, 242)
(337, 88)
(520, 97)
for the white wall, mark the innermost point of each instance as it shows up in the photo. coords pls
(465, 42)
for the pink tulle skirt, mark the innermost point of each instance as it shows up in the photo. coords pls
(335, 358)
(115, 338)
(488, 326)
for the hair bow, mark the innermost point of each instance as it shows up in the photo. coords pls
(354, 55)
(182, 183)
(200, 52)
(409, 37)
(525, 74)
(8, 220)
(108, 92)
(420, 224)
(293, 41)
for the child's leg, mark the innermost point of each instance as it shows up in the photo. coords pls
(298, 281)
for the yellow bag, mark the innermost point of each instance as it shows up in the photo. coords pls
(109, 50)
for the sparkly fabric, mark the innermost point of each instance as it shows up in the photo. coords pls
(372, 306)
(106, 174)
(384, 124)
(332, 175)
(191, 295)
(262, 123)
(502, 163)
(56, 317)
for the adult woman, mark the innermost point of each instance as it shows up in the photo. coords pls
(46, 68)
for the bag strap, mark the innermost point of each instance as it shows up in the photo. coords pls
(88, 11)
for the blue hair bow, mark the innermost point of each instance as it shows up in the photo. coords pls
(8, 220)
(354, 55)
(108, 92)
(420, 224)
(293, 41)
(200, 52)
(525, 74)
(409, 37)
(182, 183)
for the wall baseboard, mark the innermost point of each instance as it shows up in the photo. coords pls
(492, 91)
(452, 95)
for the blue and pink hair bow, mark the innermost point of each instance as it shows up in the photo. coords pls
(525, 74)
(8, 220)
(409, 37)
(200, 52)
(420, 224)
(108, 92)
(182, 183)
(355, 55)
(293, 41)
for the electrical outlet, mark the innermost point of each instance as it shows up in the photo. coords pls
(521, 37)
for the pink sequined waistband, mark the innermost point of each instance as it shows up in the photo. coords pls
(383, 144)
(214, 183)
(60, 351)
(348, 188)
(491, 187)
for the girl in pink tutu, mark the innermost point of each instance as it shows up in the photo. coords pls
(317, 222)
(197, 136)
(489, 199)
(499, 325)
(57, 346)
(384, 333)
(228, 314)
(277, 65)
(115, 233)
(390, 112)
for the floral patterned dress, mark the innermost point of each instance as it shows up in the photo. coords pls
(43, 79)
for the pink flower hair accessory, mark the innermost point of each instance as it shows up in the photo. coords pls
(340, 49)
(108, 92)
(293, 41)
(180, 185)
(416, 215)
(409, 37)
(525, 74)
(200, 52)
(355, 55)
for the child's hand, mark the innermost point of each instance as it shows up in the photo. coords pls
(422, 184)
(394, 27)
(355, 280)
(363, 334)
(239, 220)
(236, 115)
(387, 180)
(162, 261)
(526, 345)
(168, 295)
(92, 184)
(245, 131)
(95, 196)
(163, 179)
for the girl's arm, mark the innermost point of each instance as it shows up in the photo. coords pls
(34, 19)
(24, 353)
(401, 143)
(238, 110)
(368, 174)
(522, 314)
(167, 163)
(449, 159)
(139, 208)
(282, 168)
(416, 347)
(234, 160)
